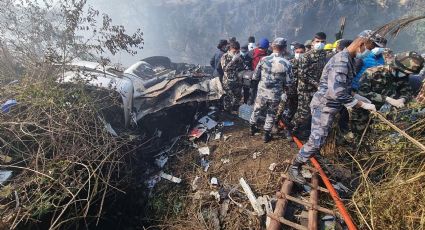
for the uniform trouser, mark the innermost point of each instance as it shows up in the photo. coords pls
(286, 110)
(270, 106)
(321, 124)
(302, 117)
(233, 95)
(246, 93)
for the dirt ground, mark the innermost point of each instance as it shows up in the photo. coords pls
(179, 206)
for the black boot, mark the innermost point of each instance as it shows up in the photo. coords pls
(254, 130)
(294, 172)
(267, 137)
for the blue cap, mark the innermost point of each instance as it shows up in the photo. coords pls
(264, 43)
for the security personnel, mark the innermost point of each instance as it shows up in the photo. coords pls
(273, 74)
(310, 67)
(232, 64)
(387, 84)
(333, 93)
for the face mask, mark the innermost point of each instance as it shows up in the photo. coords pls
(298, 56)
(377, 51)
(319, 46)
(364, 54)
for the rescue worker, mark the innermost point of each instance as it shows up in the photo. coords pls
(307, 45)
(333, 93)
(215, 60)
(272, 75)
(387, 84)
(310, 67)
(375, 58)
(247, 67)
(260, 52)
(287, 109)
(232, 64)
(251, 43)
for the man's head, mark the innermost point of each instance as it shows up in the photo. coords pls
(264, 43)
(234, 47)
(279, 45)
(364, 43)
(299, 50)
(307, 45)
(244, 49)
(319, 41)
(407, 63)
(251, 39)
(342, 44)
(222, 44)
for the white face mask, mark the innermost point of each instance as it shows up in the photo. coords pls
(378, 50)
(364, 54)
(319, 46)
(298, 55)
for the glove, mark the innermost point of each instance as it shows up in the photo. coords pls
(399, 103)
(368, 106)
(362, 99)
(283, 97)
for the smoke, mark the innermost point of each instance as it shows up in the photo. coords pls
(188, 30)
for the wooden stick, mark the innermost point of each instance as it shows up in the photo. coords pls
(309, 184)
(314, 195)
(275, 224)
(413, 140)
(286, 222)
(308, 205)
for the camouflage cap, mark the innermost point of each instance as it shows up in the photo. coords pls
(307, 43)
(279, 42)
(376, 38)
(409, 62)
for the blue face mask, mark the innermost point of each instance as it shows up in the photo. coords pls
(364, 54)
(378, 50)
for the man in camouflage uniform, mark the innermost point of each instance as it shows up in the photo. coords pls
(232, 64)
(287, 109)
(333, 93)
(310, 67)
(386, 84)
(273, 74)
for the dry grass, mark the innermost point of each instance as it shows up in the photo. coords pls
(64, 162)
(391, 194)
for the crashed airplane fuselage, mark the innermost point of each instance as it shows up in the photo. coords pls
(145, 90)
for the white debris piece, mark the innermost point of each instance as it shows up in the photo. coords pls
(225, 160)
(208, 122)
(195, 183)
(217, 136)
(226, 137)
(214, 181)
(4, 176)
(204, 151)
(266, 202)
(151, 182)
(216, 195)
(256, 155)
(170, 178)
(272, 166)
(251, 197)
(161, 161)
(205, 164)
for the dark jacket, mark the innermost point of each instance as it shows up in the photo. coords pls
(215, 63)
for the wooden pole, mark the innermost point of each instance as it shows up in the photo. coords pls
(314, 196)
(279, 211)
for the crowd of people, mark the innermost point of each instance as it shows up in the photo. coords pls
(309, 86)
